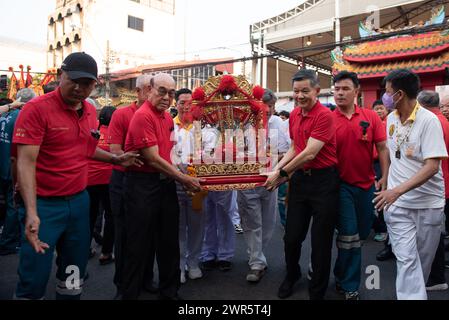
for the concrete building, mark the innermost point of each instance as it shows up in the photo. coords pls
(128, 33)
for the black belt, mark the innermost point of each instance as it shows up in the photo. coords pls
(315, 172)
(154, 175)
(60, 198)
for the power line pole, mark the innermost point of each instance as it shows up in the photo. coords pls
(107, 75)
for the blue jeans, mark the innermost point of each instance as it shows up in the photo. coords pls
(10, 238)
(355, 219)
(282, 197)
(65, 227)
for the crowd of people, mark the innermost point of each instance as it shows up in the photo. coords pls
(67, 167)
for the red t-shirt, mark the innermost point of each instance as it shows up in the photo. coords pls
(354, 150)
(444, 162)
(65, 141)
(318, 124)
(118, 128)
(100, 172)
(149, 128)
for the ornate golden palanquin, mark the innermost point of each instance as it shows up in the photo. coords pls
(227, 105)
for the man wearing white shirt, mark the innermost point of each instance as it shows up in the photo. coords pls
(258, 206)
(414, 201)
(191, 222)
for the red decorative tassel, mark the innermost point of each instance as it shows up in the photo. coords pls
(199, 94)
(196, 112)
(258, 92)
(227, 85)
(187, 118)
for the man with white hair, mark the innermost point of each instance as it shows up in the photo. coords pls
(118, 128)
(151, 202)
(10, 237)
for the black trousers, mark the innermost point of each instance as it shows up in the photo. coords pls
(446, 213)
(116, 195)
(99, 194)
(151, 215)
(314, 196)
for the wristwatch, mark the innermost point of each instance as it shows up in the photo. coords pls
(283, 173)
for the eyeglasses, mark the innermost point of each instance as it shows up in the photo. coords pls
(162, 92)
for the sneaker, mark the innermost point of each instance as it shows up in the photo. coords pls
(238, 229)
(255, 275)
(224, 265)
(436, 286)
(354, 295)
(380, 237)
(183, 277)
(195, 273)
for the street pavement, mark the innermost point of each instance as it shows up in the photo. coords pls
(232, 285)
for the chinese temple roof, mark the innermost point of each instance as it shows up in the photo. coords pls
(398, 48)
(418, 65)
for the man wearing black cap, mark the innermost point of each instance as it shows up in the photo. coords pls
(55, 136)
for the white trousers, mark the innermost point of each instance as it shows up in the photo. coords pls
(258, 214)
(191, 231)
(414, 236)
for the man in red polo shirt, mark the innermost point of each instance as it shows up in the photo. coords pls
(311, 166)
(55, 136)
(151, 202)
(359, 131)
(117, 132)
(437, 280)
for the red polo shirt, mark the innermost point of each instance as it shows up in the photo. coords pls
(65, 141)
(318, 124)
(149, 128)
(118, 128)
(444, 162)
(354, 150)
(100, 172)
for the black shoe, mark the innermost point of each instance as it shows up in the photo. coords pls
(224, 265)
(118, 296)
(286, 288)
(446, 247)
(175, 298)
(151, 288)
(446, 264)
(208, 265)
(385, 254)
(6, 252)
